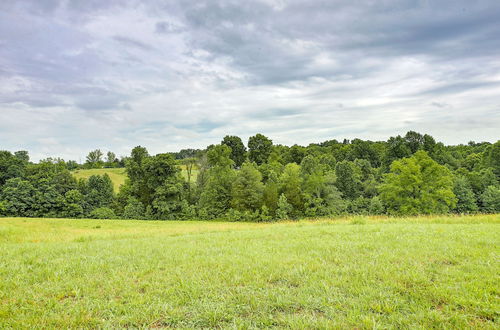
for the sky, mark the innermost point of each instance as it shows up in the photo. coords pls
(167, 75)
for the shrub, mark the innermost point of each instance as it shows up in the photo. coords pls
(103, 213)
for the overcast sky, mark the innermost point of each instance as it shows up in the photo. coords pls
(80, 75)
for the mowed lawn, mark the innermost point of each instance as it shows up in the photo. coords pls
(428, 272)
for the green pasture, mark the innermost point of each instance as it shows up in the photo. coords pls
(357, 272)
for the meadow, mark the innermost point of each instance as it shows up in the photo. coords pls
(119, 175)
(362, 272)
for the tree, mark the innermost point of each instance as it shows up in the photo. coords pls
(418, 185)
(98, 192)
(284, 208)
(491, 200)
(94, 158)
(348, 179)
(290, 187)
(259, 148)
(466, 200)
(247, 188)
(493, 157)
(111, 159)
(238, 149)
(397, 148)
(271, 193)
(215, 197)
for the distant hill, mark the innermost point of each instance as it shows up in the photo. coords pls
(118, 175)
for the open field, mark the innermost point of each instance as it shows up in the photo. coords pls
(427, 272)
(117, 175)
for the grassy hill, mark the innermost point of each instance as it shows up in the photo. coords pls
(118, 175)
(427, 272)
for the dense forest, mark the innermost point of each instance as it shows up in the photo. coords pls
(405, 175)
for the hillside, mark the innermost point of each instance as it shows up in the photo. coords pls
(118, 175)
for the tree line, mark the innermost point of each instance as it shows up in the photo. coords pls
(260, 181)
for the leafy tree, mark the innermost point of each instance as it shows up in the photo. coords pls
(284, 208)
(111, 159)
(247, 189)
(271, 193)
(418, 185)
(290, 187)
(295, 154)
(98, 192)
(348, 179)
(238, 149)
(216, 192)
(376, 207)
(73, 204)
(18, 197)
(466, 200)
(491, 200)
(493, 158)
(397, 148)
(10, 166)
(94, 159)
(134, 209)
(259, 148)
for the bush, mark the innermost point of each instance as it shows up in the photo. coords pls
(491, 199)
(103, 213)
(133, 210)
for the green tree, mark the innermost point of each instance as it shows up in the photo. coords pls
(491, 200)
(466, 200)
(493, 157)
(290, 187)
(348, 179)
(247, 188)
(259, 148)
(271, 193)
(418, 185)
(94, 159)
(215, 197)
(111, 159)
(284, 208)
(238, 149)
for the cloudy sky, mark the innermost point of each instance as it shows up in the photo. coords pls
(85, 74)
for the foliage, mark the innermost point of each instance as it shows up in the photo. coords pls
(418, 185)
(103, 213)
(491, 200)
(238, 149)
(259, 148)
(408, 174)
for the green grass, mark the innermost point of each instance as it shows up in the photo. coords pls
(427, 272)
(117, 175)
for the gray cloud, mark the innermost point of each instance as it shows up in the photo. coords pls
(76, 75)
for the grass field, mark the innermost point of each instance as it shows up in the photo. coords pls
(428, 272)
(118, 175)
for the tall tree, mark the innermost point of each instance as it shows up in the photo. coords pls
(259, 147)
(238, 149)
(215, 197)
(94, 158)
(247, 188)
